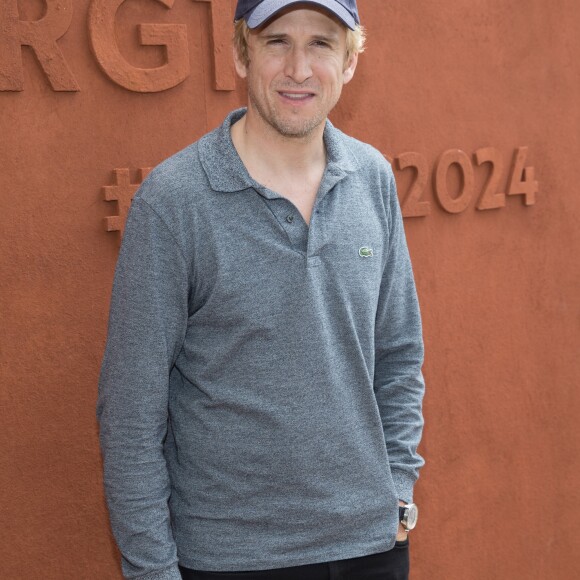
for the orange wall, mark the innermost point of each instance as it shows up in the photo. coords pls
(499, 288)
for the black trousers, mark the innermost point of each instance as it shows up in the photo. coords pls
(391, 565)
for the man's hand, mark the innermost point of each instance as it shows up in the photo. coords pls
(401, 533)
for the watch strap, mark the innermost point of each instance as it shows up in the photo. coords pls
(402, 513)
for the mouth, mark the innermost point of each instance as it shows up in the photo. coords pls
(296, 97)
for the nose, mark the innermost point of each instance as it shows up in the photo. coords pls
(298, 65)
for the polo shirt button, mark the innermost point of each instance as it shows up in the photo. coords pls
(290, 218)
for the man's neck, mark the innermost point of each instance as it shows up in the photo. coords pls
(264, 151)
(292, 167)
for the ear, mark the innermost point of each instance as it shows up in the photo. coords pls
(349, 69)
(241, 67)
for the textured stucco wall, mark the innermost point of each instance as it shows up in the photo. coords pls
(499, 288)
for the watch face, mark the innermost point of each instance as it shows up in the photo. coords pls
(412, 515)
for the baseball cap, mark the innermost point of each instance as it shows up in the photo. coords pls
(256, 12)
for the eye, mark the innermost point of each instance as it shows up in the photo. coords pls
(321, 43)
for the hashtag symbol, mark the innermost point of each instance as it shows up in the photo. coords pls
(122, 192)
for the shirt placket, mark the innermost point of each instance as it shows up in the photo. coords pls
(320, 217)
(305, 238)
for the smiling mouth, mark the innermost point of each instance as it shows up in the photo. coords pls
(296, 96)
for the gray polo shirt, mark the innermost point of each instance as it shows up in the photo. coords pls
(260, 394)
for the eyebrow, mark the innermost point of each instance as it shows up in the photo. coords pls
(273, 36)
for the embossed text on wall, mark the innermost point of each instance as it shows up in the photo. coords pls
(122, 192)
(42, 36)
(521, 181)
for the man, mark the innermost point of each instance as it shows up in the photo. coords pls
(260, 394)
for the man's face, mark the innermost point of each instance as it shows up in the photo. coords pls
(296, 71)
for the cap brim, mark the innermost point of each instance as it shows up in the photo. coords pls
(268, 8)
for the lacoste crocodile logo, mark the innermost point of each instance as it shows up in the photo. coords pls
(365, 252)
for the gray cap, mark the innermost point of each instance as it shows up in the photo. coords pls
(257, 12)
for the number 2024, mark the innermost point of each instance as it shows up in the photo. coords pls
(521, 181)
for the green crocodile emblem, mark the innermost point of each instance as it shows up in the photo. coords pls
(365, 252)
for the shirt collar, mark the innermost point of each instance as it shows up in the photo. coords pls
(226, 172)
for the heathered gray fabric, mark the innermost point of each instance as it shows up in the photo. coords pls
(255, 367)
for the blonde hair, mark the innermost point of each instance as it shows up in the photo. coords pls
(355, 41)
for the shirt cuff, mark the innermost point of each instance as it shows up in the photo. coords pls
(404, 484)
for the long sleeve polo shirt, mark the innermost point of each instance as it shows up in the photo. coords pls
(261, 389)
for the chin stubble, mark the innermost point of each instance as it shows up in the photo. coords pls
(290, 130)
